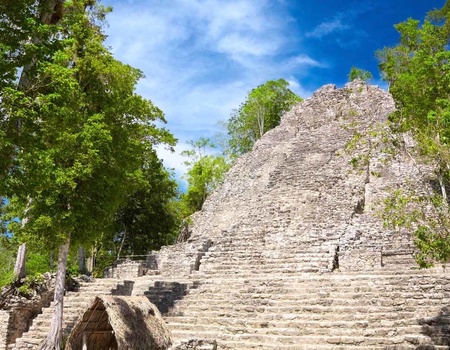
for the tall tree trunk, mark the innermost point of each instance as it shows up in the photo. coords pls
(54, 338)
(19, 268)
(90, 261)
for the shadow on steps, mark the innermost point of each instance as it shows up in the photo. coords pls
(165, 294)
(438, 329)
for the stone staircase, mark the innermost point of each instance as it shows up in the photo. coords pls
(75, 304)
(375, 310)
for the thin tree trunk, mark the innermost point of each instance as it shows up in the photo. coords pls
(81, 260)
(443, 190)
(54, 338)
(19, 268)
(90, 261)
(52, 260)
(121, 244)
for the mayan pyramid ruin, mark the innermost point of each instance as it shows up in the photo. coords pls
(288, 253)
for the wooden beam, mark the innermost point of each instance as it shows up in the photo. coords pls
(84, 341)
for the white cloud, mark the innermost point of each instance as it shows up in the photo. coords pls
(296, 87)
(202, 57)
(305, 60)
(327, 28)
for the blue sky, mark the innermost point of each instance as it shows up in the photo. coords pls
(202, 57)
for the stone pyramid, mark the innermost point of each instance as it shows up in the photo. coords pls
(297, 202)
(289, 252)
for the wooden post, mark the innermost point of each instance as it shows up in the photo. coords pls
(19, 268)
(84, 342)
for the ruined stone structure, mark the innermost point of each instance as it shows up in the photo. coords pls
(288, 253)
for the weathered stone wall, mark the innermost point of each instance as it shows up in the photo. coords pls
(4, 321)
(297, 192)
(18, 312)
(125, 268)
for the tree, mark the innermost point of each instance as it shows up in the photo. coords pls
(26, 35)
(75, 137)
(147, 220)
(260, 113)
(205, 173)
(357, 73)
(418, 72)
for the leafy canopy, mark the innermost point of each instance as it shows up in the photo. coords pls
(358, 73)
(148, 219)
(75, 139)
(205, 172)
(260, 113)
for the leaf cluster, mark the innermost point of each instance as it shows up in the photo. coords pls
(358, 73)
(205, 172)
(261, 112)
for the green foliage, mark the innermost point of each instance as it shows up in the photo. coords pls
(260, 113)
(148, 220)
(37, 262)
(357, 73)
(7, 262)
(84, 134)
(104, 258)
(205, 172)
(418, 71)
(29, 285)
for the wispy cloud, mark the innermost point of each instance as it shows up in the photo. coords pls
(201, 57)
(297, 87)
(305, 60)
(327, 28)
(341, 22)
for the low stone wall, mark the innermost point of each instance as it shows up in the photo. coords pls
(18, 312)
(22, 312)
(182, 259)
(4, 320)
(123, 269)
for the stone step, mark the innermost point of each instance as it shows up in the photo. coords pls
(299, 311)
(248, 345)
(264, 264)
(296, 330)
(229, 258)
(380, 278)
(288, 322)
(349, 291)
(263, 339)
(316, 290)
(75, 303)
(229, 251)
(246, 273)
(397, 318)
(290, 299)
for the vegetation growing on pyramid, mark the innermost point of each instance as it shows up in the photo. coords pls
(418, 73)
